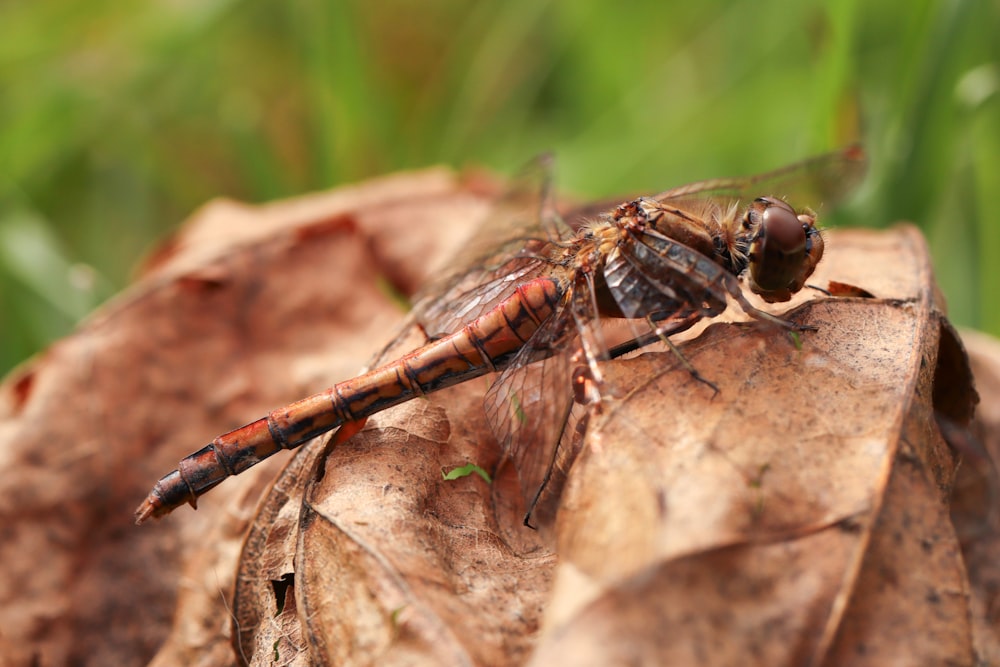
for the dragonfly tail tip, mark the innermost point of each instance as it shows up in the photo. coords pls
(143, 512)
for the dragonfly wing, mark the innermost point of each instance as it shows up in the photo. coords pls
(526, 211)
(651, 275)
(507, 248)
(635, 293)
(475, 293)
(530, 408)
(821, 179)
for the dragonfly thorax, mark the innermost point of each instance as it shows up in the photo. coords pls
(598, 239)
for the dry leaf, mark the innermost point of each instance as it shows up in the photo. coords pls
(798, 517)
(249, 308)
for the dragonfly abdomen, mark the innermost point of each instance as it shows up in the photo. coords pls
(482, 346)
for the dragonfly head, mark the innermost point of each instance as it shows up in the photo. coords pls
(784, 249)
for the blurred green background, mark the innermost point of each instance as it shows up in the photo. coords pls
(118, 119)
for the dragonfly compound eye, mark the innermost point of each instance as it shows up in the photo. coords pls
(784, 251)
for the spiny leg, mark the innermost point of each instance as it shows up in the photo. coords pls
(663, 335)
(757, 314)
(660, 333)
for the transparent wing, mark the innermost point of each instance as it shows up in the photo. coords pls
(474, 293)
(510, 246)
(819, 180)
(529, 405)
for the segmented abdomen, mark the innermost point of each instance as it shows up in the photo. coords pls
(480, 347)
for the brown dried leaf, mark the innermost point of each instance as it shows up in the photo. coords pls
(768, 524)
(799, 517)
(388, 559)
(976, 506)
(249, 308)
(796, 517)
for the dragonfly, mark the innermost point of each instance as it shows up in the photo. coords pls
(528, 300)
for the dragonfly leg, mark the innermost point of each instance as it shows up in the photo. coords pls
(663, 335)
(819, 289)
(428, 338)
(758, 314)
(659, 331)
